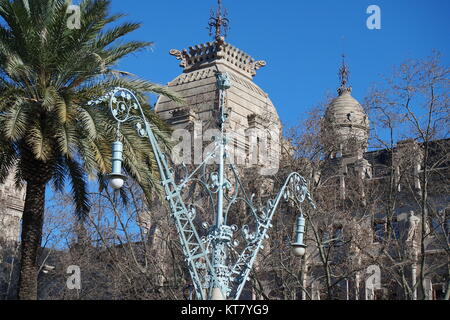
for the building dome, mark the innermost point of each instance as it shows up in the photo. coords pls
(253, 125)
(345, 111)
(251, 112)
(197, 86)
(345, 127)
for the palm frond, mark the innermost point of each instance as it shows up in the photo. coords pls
(8, 159)
(79, 188)
(48, 73)
(14, 122)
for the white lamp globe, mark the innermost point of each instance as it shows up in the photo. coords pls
(299, 251)
(116, 183)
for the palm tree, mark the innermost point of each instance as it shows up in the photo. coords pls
(48, 133)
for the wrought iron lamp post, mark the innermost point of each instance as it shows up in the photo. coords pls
(214, 275)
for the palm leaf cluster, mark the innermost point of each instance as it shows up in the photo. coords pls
(48, 73)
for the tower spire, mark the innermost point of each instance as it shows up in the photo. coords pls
(219, 23)
(344, 73)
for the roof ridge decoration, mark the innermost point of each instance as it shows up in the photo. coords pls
(344, 73)
(219, 21)
(218, 52)
(207, 54)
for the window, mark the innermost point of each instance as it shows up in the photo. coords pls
(441, 227)
(338, 236)
(447, 229)
(325, 239)
(395, 230)
(379, 229)
(437, 226)
(438, 291)
(379, 294)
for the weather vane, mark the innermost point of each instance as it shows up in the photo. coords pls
(218, 22)
(344, 73)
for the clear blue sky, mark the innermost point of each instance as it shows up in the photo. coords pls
(301, 41)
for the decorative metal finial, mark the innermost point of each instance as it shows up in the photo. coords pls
(344, 73)
(218, 22)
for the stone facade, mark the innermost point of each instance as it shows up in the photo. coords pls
(345, 125)
(357, 172)
(346, 120)
(197, 85)
(249, 107)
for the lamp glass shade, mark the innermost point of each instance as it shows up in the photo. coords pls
(298, 250)
(117, 183)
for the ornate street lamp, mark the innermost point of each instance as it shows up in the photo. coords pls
(299, 247)
(116, 178)
(215, 275)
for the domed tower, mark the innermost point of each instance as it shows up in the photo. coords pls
(249, 107)
(248, 103)
(345, 127)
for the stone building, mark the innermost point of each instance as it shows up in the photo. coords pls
(345, 132)
(252, 114)
(12, 203)
(11, 208)
(364, 177)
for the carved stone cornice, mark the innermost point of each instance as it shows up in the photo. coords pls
(258, 65)
(182, 115)
(205, 55)
(180, 56)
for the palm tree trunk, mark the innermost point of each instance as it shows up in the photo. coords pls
(32, 225)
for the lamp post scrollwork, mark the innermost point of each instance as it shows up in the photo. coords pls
(215, 275)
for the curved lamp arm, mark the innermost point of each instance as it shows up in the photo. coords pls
(295, 189)
(122, 102)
